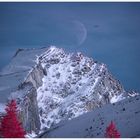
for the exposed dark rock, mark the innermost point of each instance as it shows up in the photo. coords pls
(36, 75)
(28, 108)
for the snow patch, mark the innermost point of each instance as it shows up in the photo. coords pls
(117, 98)
(2, 108)
(31, 135)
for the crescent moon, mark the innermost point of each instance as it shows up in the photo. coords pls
(81, 32)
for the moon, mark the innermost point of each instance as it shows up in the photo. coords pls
(68, 33)
(80, 32)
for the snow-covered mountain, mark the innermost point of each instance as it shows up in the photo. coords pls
(73, 84)
(57, 86)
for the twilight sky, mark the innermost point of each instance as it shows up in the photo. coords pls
(107, 32)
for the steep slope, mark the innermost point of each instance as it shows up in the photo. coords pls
(125, 114)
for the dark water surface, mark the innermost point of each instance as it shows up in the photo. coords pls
(108, 32)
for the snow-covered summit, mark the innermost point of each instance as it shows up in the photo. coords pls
(73, 84)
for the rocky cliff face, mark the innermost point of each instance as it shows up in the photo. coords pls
(29, 107)
(35, 76)
(26, 97)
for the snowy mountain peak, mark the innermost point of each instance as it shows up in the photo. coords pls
(53, 54)
(73, 84)
(54, 50)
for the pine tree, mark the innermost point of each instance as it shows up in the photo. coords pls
(10, 126)
(111, 131)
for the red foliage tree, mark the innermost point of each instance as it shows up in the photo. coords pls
(10, 126)
(111, 131)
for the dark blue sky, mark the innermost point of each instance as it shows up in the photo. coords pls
(108, 32)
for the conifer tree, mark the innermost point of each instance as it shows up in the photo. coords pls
(111, 131)
(10, 127)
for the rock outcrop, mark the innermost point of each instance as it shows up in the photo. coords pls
(35, 76)
(26, 97)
